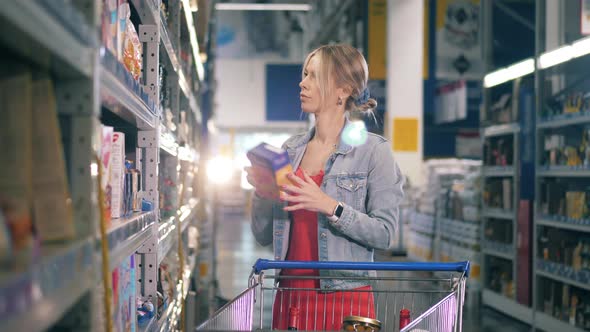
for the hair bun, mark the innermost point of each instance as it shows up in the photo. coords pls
(370, 105)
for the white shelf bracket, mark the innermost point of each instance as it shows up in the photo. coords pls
(150, 35)
(148, 141)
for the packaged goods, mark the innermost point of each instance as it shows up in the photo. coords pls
(16, 91)
(52, 204)
(124, 296)
(117, 178)
(131, 53)
(358, 323)
(272, 166)
(576, 204)
(109, 25)
(106, 149)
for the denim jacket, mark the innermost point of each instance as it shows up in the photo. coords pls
(367, 180)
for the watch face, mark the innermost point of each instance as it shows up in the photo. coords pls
(339, 210)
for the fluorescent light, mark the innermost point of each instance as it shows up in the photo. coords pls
(263, 6)
(220, 169)
(514, 71)
(581, 47)
(193, 38)
(556, 57)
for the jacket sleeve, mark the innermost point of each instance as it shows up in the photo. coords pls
(262, 220)
(377, 228)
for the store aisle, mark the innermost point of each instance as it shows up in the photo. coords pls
(237, 251)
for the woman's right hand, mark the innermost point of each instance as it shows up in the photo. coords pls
(265, 191)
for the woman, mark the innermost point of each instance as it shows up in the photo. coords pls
(344, 200)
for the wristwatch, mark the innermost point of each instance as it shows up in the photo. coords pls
(337, 213)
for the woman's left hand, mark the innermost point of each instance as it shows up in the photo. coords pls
(306, 195)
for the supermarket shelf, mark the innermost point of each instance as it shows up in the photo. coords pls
(498, 250)
(47, 289)
(127, 235)
(579, 225)
(563, 273)
(173, 57)
(507, 306)
(168, 236)
(563, 120)
(124, 96)
(59, 29)
(498, 171)
(186, 212)
(497, 213)
(169, 319)
(501, 130)
(551, 324)
(167, 233)
(563, 171)
(147, 9)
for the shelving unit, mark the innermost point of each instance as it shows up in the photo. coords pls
(504, 125)
(509, 306)
(553, 121)
(60, 286)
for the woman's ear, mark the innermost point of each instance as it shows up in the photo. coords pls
(344, 92)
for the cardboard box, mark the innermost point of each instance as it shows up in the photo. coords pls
(272, 164)
(117, 175)
(575, 204)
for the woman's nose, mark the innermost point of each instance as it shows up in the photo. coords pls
(301, 85)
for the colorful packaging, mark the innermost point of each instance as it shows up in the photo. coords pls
(109, 25)
(106, 150)
(52, 204)
(123, 14)
(124, 296)
(117, 178)
(272, 164)
(132, 47)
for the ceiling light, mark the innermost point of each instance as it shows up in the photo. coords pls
(503, 75)
(556, 57)
(581, 47)
(193, 38)
(263, 6)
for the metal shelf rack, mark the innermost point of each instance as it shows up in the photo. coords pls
(490, 249)
(60, 285)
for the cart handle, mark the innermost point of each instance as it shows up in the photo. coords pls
(265, 264)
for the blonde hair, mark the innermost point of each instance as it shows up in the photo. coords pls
(344, 66)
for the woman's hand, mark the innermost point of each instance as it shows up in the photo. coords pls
(265, 191)
(306, 195)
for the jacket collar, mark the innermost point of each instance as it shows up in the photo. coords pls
(343, 148)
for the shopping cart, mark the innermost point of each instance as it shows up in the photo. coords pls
(434, 299)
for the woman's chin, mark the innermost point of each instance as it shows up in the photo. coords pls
(308, 110)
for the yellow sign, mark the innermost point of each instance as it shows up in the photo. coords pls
(405, 134)
(377, 52)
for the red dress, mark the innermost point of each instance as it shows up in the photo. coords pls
(318, 310)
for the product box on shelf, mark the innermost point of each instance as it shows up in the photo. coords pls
(52, 205)
(16, 167)
(124, 296)
(272, 166)
(109, 21)
(106, 150)
(117, 175)
(129, 50)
